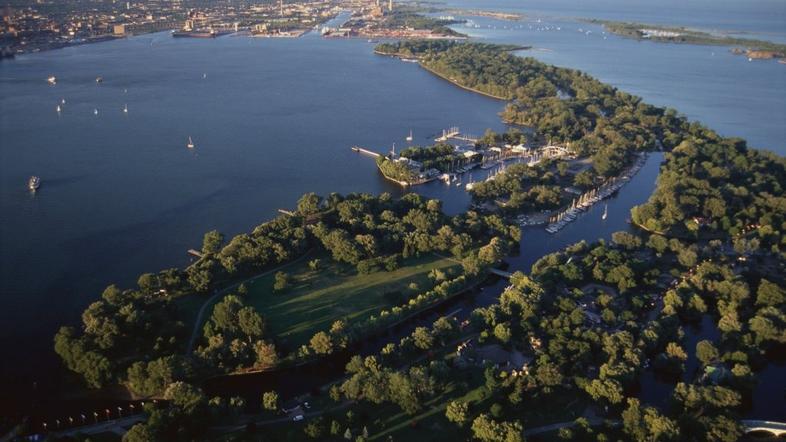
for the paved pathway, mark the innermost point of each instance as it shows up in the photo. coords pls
(117, 426)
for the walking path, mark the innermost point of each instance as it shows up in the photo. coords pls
(117, 426)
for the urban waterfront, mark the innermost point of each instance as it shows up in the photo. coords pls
(270, 120)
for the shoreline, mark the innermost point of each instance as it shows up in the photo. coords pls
(467, 88)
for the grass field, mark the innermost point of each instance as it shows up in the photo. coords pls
(315, 299)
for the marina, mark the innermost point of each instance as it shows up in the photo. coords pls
(588, 199)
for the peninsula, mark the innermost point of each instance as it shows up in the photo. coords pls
(695, 296)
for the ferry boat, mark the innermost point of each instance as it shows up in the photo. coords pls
(190, 144)
(52, 79)
(34, 183)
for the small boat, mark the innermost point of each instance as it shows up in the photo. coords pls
(95, 111)
(409, 138)
(62, 101)
(190, 144)
(52, 79)
(204, 76)
(58, 109)
(125, 109)
(99, 79)
(34, 183)
(605, 212)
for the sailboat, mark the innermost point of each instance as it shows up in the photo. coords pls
(409, 138)
(605, 212)
(190, 144)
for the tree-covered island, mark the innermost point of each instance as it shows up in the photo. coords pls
(751, 48)
(692, 298)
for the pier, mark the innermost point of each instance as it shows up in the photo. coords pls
(454, 133)
(448, 134)
(359, 149)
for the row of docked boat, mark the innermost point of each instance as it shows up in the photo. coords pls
(588, 199)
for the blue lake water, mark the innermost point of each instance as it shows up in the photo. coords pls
(274, 118)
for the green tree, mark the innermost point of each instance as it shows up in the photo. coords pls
(308, 204)
(266, 355)
(212, 241)
(769, 294)
(250, 323)
(457, 412)
(315, 429)
(270, 401)
(140, 432)
(706, 352)
(281, 281)
(648, 425)
(488, 430)
(322, 343)
(422, 338)
(185, 397)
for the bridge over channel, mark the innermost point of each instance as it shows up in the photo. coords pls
(777, 429)
(501, 273)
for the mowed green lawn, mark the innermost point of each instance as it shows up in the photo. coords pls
(315, 299)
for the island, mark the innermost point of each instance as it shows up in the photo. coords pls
(751, 48)
(691, 297)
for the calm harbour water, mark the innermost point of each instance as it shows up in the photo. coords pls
(275, 118)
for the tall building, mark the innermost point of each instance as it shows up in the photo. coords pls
(390, 5)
